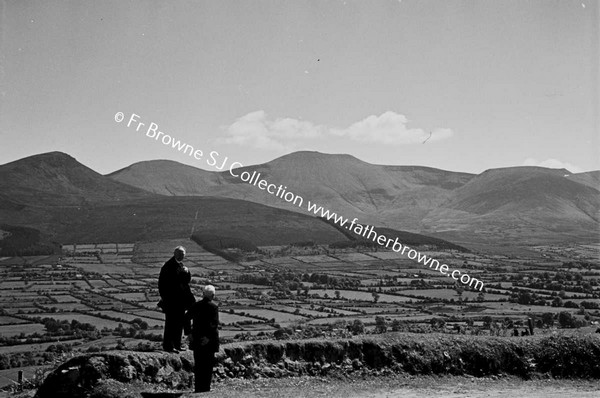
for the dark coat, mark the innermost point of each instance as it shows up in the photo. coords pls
(174, 286)
(205, 332)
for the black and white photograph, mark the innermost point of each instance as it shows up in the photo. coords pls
(299, 198)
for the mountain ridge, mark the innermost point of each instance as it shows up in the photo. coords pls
(58, 178)
(552, 202)
(510, 202)
(342, 183)
(68, 202)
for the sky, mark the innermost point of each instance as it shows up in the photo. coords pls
(456, 85)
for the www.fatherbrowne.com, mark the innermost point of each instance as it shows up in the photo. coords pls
(366, 231)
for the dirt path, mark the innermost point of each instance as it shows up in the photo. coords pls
(405, 387)
(393, 387)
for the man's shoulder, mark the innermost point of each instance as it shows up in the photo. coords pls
(206, 304)
(171, 262)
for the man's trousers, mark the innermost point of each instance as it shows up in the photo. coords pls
(204, 360)
(174, 320)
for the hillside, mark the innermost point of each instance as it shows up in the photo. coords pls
(172, 217)
(508, 205)
(68, 202)
(519, 202)
(166, 177)
(589, 178)
(53, 192)
(395, 196)
(57, 179)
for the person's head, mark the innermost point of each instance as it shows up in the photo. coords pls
(179, 253)
(209, 292)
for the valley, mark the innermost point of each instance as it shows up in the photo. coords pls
(80, 253)
(100, 296)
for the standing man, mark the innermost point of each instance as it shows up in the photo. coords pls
(176, 297)
(204, 337)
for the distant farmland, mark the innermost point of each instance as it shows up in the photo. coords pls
(287, 290)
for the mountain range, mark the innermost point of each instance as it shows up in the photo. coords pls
(505, 204)
(395, 196)
(70, 202)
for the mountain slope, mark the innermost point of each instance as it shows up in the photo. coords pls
(64, 199)
(519, 202)
(166, 177)
(589, 178)
(69, 202)
(397, 196)
(56, 178)
(176, 217)
(499, 204)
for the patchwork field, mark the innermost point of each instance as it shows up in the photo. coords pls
(22, 328)
(313, 290)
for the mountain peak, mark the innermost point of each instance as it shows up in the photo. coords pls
(55, 158)
(311, 156)
(55, 178)
(157, 165)
(527, 170)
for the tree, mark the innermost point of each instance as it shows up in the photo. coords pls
(525, 298)
(570, 304)
(139, 323)
(337, 294)
(590, 305)
(487, 321)
(565, 319)
(4, 362)
(548, 319)
(459, 290)
(375, 296)
(380, 324)
(357, 327)
(282, 333)
(396, 325)
(438, 323)
(557, 302)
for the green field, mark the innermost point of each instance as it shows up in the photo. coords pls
(295, 291)
(25, 328)
(361, 296)
(98, 322)
(448, 294)
(280, 317)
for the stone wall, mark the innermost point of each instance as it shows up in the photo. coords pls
(97, 374)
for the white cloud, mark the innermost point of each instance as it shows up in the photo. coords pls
(389, 128)
(256, 129)
(553, 164)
